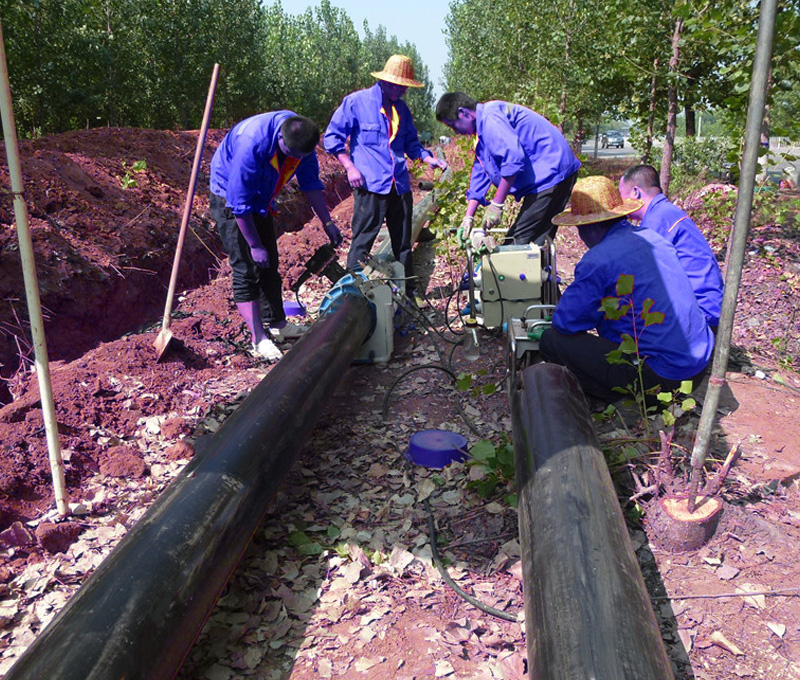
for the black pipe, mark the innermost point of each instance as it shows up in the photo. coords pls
(587, 610)
(137, 616)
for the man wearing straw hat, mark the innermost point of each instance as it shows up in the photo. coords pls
(380, 129)
(673, 341)
(522, 154)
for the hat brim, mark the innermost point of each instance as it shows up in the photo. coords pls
(568, 219)
(397, 80)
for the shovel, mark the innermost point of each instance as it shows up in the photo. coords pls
(165, 335)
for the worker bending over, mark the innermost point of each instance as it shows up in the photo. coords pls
(254, 161)
(521, 153)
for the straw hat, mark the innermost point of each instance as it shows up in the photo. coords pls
(398, 70)
(596, 199)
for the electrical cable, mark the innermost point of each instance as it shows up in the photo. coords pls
(464, 417)
(457, 295)
(385, 410)
(446, 365)
(421, 316)
(499, 613)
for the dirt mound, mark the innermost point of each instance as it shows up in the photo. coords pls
(105, 209)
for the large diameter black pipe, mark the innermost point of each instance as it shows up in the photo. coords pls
(137, 616)
(587, 611)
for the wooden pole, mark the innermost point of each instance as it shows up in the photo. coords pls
(31, 287)
(163, 338)
(587, 610)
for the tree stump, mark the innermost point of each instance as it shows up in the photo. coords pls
(673, 528)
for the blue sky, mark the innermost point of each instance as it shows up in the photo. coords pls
(416, 21)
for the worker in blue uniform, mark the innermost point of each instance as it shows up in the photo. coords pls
(673, 341)
(522, 154)
(254, 161)
(696, 257)
(380, 130)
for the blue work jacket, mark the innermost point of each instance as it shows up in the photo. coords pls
(696, 256)
(245, 168)
(515, 140)
(681, 345)
(381, 159)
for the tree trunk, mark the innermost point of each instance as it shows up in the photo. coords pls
(691, 127)
(651, 116)
(563, 107)
(40, 110)
(672, 116)
(578, 140)
(596, 136)
(111, 101)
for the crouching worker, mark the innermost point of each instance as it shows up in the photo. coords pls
(257, 157)
(625, 265)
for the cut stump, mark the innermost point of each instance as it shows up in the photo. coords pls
(673, 528)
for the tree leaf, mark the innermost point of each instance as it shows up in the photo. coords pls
(482, 450)
(625, 284)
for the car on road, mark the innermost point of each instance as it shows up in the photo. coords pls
(612, 138)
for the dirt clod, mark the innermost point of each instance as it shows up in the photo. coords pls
(57, 538)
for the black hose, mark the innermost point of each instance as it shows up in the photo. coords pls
(499, 613)
(385, 411)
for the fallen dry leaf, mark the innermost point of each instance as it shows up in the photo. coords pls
(757, 601)
(687, 637)
(778, 628)
(721, 641)
(443, 668)
(325, 668)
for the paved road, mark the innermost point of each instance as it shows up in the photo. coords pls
(626, 152)
(779, 157)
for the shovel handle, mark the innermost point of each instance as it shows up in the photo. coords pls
(187, 207)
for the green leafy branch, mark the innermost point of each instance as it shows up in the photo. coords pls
(495, 465)
(128, 180)
(616, 308)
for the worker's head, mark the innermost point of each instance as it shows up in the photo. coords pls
(457, 111)
(298, 136)
(396, 77)
(595, 205)
(641, 182)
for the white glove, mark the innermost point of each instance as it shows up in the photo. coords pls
(466, 223)
(493, 215)
(481, 240)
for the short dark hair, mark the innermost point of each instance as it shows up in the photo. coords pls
(449, 104)
(300, 134)
(645, 176)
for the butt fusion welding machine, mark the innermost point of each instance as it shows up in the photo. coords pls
(515, 288)
(379, 281)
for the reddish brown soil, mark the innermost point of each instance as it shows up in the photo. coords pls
(104, 254)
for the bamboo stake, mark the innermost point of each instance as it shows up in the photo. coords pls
(31, 287)
(741, 225)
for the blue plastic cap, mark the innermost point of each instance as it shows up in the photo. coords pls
(436, 448)
(293, 308)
